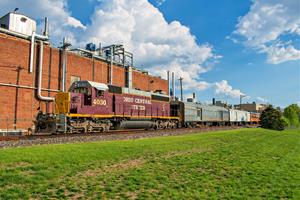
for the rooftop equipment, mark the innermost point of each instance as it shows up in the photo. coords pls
(90, 47)
(18, 23)
(193, 99)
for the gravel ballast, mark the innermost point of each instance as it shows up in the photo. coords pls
(62, 139)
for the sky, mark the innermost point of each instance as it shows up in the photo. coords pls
(222, 49)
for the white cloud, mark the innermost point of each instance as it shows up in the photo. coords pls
(265, 24)
(74, 22)
(223, 88)
(157, 45)
(61, 23)
(279, 53)
(261, 99)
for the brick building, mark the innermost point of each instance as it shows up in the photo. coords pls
(18, 87)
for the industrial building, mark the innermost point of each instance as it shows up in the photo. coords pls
(32, 71)
(251, 107)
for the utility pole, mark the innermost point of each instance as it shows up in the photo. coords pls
(180, 79)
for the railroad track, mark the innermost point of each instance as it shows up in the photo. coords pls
(16, 141)
(45, 136)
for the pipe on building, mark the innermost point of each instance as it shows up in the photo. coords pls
(64, 66)
(46, 28)
(130, 77)
(26, 87)
(89, 52)
(20, 35)
(111, 65)
(39, 89)
(31, 52)
(168, 78)
(32, 38)
(173, 86)
(181, 89)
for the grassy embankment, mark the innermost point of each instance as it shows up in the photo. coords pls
(252, 163)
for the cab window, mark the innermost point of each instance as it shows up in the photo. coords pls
(99, 93)
(82, 90)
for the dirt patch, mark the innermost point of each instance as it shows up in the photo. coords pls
(131, 195)
(17, 165)
(77, 196)
(28, 172)
(23, 164)
(185, 153)
(115, 167)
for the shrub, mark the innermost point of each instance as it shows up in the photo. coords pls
(271, 118)
(286, 121)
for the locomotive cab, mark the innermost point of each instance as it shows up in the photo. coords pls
(85, 94)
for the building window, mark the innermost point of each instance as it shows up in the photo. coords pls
(74, 79)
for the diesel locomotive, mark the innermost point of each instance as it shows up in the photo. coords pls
(96, 107)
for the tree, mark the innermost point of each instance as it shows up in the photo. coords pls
(286, 121)
(272, 118)
(292, 113)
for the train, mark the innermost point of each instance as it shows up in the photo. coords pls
(90, 107)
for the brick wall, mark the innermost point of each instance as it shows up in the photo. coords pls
(19, 105)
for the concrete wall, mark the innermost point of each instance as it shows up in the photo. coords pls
(18, 106)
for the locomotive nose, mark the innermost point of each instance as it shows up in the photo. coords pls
(62, 103)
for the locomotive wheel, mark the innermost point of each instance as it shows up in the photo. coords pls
(106, 128)
(89, 129)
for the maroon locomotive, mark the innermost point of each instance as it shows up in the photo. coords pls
(97, 107)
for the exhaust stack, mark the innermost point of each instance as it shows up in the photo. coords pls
(168, 78)
(46, 27)
(173, 86)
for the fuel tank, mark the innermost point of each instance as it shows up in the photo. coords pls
(136, 124)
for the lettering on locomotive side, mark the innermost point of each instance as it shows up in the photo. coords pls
(136, 100)
(163, 108)
(138, 107)
(128, 99)
(99, 102)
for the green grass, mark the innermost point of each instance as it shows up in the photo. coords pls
(238, 164)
